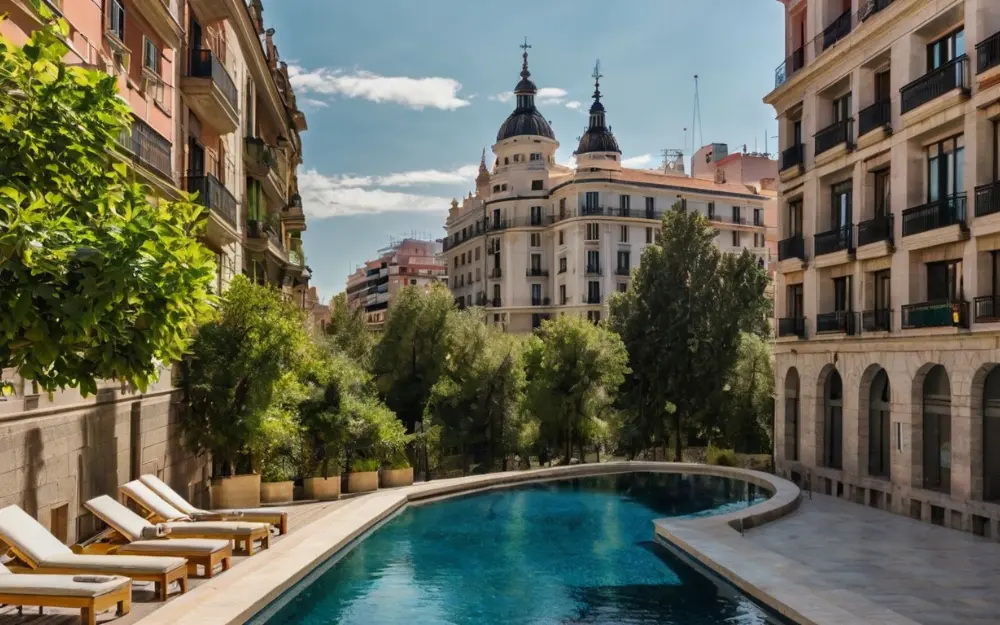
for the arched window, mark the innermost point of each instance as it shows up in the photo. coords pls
(833, 421)
(937, 430)
(792, 415)
(878, 425)
(991, 436)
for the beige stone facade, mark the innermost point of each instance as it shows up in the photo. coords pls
(887, 281)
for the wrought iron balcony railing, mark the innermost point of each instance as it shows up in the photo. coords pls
(988, 53)
(875, 230)
(878, 115)
(838, 29)
(214, 195)
(988, 199)
(792, 247)
(878, 320)
(841, 321)
(952, 75)
(795, 155)
(146, 147)
(789, 67)
(792, 326)
(204, 64)
(947, 211)
(834, 241)
(986, 309)
(936, 315)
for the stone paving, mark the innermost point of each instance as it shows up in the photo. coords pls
(928, 574)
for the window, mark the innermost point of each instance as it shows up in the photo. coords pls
(650, 207)
(623, 287)
(842, 294)
(562, 292)
(649, 235)
(757, 219)
(593, 292)
(536, 239)
(736, 214)
(478, 275)
(756, 240)
(944, 281)
(883, 90)
(536, 294)
(456, 261)
(535, 156)
(150, 56)
(477, 253)
(794, 301)
(736, 238)
(593, 261)
(840, 205)
(711, 210)
(625, 205)
(593, 232)
(623, 234)
(517, 158)
(842, 108)
(684, 205)
(991, 436)
(945, 49)
(470, 279)
(624, 262)
(503, 187)
(116, 19)
(496, 294)
(496, 188)
(795, 218)
(562, 239)
(878, 425)
(833, 421)
(594, 316)
(413, 283)
(797, 132)
(536, 263)
(496, 319)
(537, 185)
(792, 415)
(881, 184)
(536, 215)
(946, 169)
(937, 430)
(592, 200)
(562, 208)
(562, 264)
(506, 160)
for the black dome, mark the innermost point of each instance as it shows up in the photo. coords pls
(523, 123)
(600, 140)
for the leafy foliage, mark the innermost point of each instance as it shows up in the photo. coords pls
(276, 446)
(681, 320)
(96, 282)
(748, 398)
(574, 370)
(236, 364)
(349, 333)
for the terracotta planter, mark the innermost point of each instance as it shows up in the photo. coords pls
(397, 477)
(239, 491)
(362, 482)
(321, 488)
(276, 492)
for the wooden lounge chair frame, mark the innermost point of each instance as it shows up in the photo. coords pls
(221, 515)
(110, 541)
(262, 534)
(22, 564)
(88, 606)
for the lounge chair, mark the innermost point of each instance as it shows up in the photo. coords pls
(274, 516)
(182, 526)
(127, 538)
(35, 550)
(67, 591)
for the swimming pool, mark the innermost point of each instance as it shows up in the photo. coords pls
(568, 551)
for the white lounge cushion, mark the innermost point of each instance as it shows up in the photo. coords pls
(168, 494)
(58, 585)
(126, 565)
(152, 502)
(29, 537)
(124, 521)
(175, 546)
(201, 528)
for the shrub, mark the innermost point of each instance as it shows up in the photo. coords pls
(399, 461)
(363, 465)
(722, 457)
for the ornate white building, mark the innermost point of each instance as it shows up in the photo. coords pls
(538, 238)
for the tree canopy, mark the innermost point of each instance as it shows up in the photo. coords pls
(349, 332)
(681, 320)
(96, 282)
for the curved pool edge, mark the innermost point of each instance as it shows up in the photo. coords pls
(236, 597)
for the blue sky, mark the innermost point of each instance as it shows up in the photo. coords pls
(402, 96)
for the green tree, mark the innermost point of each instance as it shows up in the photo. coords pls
(410, 354)
(574, 369)
(681, 320)
(349, 332)
(96, 282)
(477, 393)
(236, 362)
(748, 398)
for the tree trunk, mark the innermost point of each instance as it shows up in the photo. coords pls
(678, 445)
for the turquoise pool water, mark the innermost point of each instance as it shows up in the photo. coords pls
(577, 551)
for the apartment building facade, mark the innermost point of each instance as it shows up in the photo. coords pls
(406, 262)
(538, 239)
(213, 114)
(887, 281)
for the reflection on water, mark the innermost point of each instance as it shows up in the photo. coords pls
(565, 552)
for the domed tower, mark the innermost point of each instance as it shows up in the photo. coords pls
(525, 120)
(483, 179)
(598, 146)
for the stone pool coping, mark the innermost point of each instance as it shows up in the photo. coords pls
(235, 597)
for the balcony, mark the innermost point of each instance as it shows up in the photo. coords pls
(541, 301)
(496, 273)
(792, 162)
(623, 271)
(592, 298)
(588, 211)
(837, 134)
(878, 320)
(934, 84)
(792, 326)
(936, 315)
(837, 30)
(536, 272)
(988, 199)
(211, 93)
(735, 219)
(293, 216)
(986, 309)
(871, 7)
(147, 148)
(214, 195)
(259, 157)
(988, 54)
(495, 302)
(480, 299)
(790, 67)
(875, 230)
(593, 271)
(792, 247)
(213, 10)
(840, 239)
(878, 115)
(839, 322)
(947, 211)
(161, 15)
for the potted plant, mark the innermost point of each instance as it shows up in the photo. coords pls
(363, 476)
(375, 434)
(277, 482)
(237, 360)
(398, 472)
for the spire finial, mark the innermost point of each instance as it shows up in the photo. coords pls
(597, 79)
(524, 63)
(482, 161)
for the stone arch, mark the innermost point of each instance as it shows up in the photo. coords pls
(930, 432)
(868, 396)
(829, 418)
(793, 415)
(985, 432)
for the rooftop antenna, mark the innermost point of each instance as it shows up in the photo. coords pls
(696, 118)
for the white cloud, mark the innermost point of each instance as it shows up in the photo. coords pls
(573, 104)
(318, 104)
(506, 96)
(415, 93)
(545, 95)
(643, 161)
